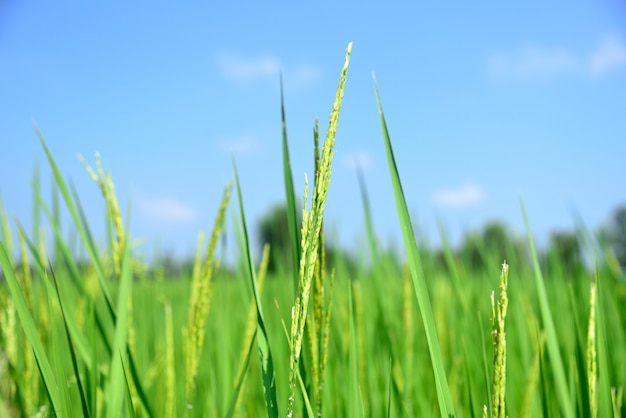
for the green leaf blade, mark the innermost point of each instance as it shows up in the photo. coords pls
(28, 324)
(413, 258)
(556, 361)
(267, 362)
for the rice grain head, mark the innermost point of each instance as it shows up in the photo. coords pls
(499, 342)
(311, 227)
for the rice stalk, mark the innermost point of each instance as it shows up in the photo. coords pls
(591, 353)
(319, 322)
(325, 340)
(320, 265)
(78, 217)
(5, 229)
(30, 330)
(468, 379)
(315, 318)
(355, 397)
(196, 279)
(43, 325)
(201, 287)
(499, 311)
(456, 378)
(8, 326)
(170, 364)
(380, 275)
(31, 375)
(83, 397)
(119, 347)
(357, 299)
(105, 182)
(533, 380)
(617, 395)
(305, 397)
(26, 277)
(314, 352)
(298, 314)
(80, 311)
(311, 227)
(250, 328)
(240, 378)
(389, 389)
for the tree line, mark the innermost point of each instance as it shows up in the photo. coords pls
(566, 250)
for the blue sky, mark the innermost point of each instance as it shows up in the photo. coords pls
(486, 103)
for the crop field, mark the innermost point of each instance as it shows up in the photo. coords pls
(105, 335)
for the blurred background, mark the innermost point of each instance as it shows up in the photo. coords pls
(486, 103)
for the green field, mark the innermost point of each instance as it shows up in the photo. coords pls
(104, 335)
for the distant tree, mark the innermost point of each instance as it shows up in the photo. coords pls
(564, 248)
(491, 246)
(273, 228)
(471, 252)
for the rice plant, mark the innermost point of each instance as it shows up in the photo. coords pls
(88, 328)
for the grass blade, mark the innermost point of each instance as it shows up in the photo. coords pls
(130, 409)
(78, 222)
(308, 408)
(355, 404)
(267, 363)
(307, 403)
(116, 378)
(292, 216)
(83, 399)
(560, 381)
(468, 379)
(389, 387)
(77, 337)
(30, 329)
(241, 378)
(413, 258)
(604, 370)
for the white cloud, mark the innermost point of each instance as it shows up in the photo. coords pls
(241, 145)
(610, 55)
(533, 61)
(302, 75)
(241, 69)
(358, 160)
(165, 209)
(467, 194)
